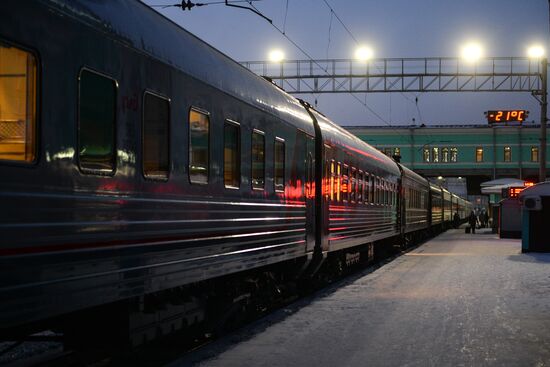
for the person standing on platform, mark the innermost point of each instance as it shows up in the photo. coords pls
(472, 220)
(456, 220)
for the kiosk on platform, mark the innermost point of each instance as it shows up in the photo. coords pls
(535, 202)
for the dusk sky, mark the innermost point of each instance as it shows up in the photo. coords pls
(392, 28)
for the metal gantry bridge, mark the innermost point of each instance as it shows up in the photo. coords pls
(441, 74)
(420, 75)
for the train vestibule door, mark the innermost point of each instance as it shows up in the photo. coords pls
(310, 192)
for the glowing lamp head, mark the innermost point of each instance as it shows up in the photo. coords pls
(363, 53)
(276, 56)
(471, 52)
(535, 52)
(440, 177)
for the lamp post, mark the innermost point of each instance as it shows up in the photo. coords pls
(543, 119)
(537, 53)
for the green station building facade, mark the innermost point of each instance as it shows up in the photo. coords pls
(477, 153)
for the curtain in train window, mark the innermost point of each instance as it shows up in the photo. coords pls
(258, 160)
(231, 155)
(156, 138)
(199, 134)
(279, 165)
(97, 117)
(345, 183)
(17, 104)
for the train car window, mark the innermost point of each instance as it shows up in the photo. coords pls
(372, 188)
(375, 189)
(258, 160)
(353, 179)
(332, 182)
(231, 154)
(279, 178)
(18, 79)
(360, 187)
(386, 193)
(199, 141)
(96, 122)
(345, 183)
(156, 137)
(338, 181)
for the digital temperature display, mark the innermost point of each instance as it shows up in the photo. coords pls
(506, 116)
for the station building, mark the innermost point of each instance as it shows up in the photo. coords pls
(473, 153)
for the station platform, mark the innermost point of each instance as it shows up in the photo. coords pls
(457, 300)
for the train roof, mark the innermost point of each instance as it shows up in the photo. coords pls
(137, 26)
(413, 175)
(336, 135)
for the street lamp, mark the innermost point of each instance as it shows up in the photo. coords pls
(363, 53)
(471, 52)
(276, 56)
(535, 52)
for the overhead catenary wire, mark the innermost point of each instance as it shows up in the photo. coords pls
(319, 65)
(333, 12)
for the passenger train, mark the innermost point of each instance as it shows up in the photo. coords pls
(136, 159)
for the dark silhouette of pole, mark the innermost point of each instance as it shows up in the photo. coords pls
(543, 119)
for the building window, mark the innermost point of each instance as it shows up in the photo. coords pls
(17, 104)
(231, 154)
(479, 154)
(445, 155)
(507, 154)
(279, 165)
(454, 154)
(435, 154)
(258, 160)
(426, 155)
(96, 122)
(156, 141)
(534, 154)
(199, 131)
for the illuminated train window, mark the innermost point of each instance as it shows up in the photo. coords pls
(279, 178)
(360, 188)
(338, 181)
(353, 180)
(17, 104)
(231, 154)
(96, 122)
(345, 183)
(199, 135)
(332, 183)
(258, 160)
(156, 138)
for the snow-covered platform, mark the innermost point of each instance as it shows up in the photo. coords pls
(457, 300)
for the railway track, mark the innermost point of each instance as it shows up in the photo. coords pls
(241, 311)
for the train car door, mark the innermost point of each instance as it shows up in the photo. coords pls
(310, 192)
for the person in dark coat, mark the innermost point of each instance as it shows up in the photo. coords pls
(456, 220)
(472, 219)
